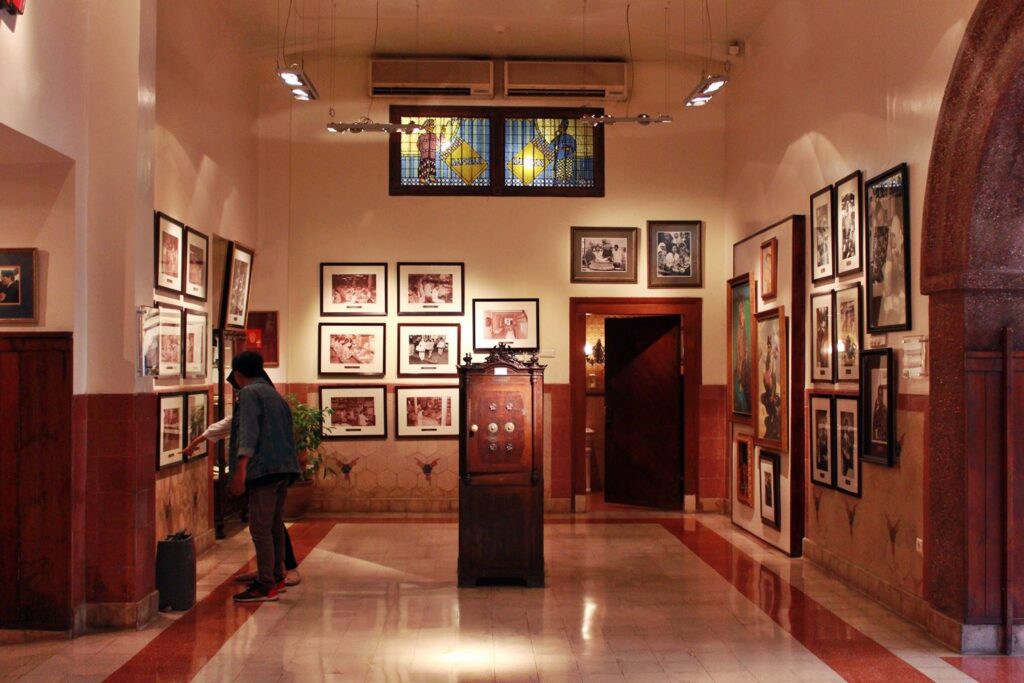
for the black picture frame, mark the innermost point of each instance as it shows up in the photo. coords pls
(417, 362)
(770, 463)
(237, 285)
(821, 408)
(351, 361)
(20, 267)
(407, 270)
(193, 290)
(171, 335)
(822, 219)
(202, 344)
(343, 426)
(887, 197)
(821, 337)
(193, 429)
(331, 307)
(168, 254)
(449, 423)
(849, 338)
(660, 236)
(585, 267)
(849, 200)
(878, 418)
(165, 430)
(848, 450)
(483, 335)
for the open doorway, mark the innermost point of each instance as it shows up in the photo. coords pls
(663, 341)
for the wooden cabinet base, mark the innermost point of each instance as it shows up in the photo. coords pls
(501, 535)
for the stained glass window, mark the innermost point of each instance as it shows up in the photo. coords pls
(447, 151)
(549, 152)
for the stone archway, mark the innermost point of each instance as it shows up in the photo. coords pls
(972, 268)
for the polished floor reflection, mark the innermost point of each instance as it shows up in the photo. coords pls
(630, 597)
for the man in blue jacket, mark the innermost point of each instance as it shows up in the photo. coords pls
(263, 460)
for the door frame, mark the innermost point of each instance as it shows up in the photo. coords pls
(690, 309)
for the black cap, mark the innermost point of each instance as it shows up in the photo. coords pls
(250, 364)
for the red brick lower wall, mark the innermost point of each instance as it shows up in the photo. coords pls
(713, 458)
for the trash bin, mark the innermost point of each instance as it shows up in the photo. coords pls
(176, 571)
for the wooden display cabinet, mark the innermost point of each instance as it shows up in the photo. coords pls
(501, 485)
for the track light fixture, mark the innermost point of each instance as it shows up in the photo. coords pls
(709, 84)
(367, 125)
(609, 119)
(298, 81)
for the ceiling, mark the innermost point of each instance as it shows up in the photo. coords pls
(590, 29)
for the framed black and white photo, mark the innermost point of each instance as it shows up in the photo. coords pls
(431, 289)
(847, 416)
(823, 368)
(877, 394)
(170, 426)
(428, 350)
(357, 411)
(197, 341)
(19, 286)
(351, 349)
(743, 454)
(849, 337)
(768, 477)
(603, 255)
(823, 247)
(849, 241)
(515, 322)
(425, 412)
(675, 254)
(823, 443)
(353, 289)
(236, 287)
(169, 364)
(197, 405)
(169, 249)
(197, 249)
(888, 235)
(149, 341)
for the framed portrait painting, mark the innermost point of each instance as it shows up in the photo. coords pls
(197, 405)
(236, 287)
(170, 426)
(877, 394)
(675, 254)
(428, 350)
(353, 289)
(356, 411)
(743, 455)
(515, 322)
(197, 341)
(603, 254)
(771, 425)
(431, 289)
(823, 248)
(849, 337)
(768, 477)
(888, 234)
(169, 250)
(19, 286)
(769, 262)
(823, 367)
(170, 333)
(849, 242)
(355, 349)
(425, 412)
(197, 249)
(823, 456)
(739, 293)
(847, 416)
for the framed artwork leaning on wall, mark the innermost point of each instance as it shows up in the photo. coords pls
(236, 287)
(743, 454)
(768, 478)
(740, 292)
(771, 397)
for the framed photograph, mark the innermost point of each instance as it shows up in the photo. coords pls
(357, 411)
(769, 269)
(768, 474)
(431, 289)
(197, 249)
(353, 289)
(515, 322)
(849, 338)
(169, 250)
(425, 412)
(823, 367)
(743, 453)
(261, 336)
(197, 341)
(740, 369)
(19, 286)
(603, 254)
(170, 430)
(428, 350)
(351, 349)
(236, 287)
(675, 254)
(847, 412)
(823, 456)
(149, 341)
(771, 424)
(198, 405)
(849, 243)
(877, 394)
(888, 234)
(823, 244)
(171, 355)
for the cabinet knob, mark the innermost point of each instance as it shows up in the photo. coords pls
(473, 429)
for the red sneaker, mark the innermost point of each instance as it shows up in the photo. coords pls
(256, 593)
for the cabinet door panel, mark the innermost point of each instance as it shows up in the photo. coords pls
(503, 438)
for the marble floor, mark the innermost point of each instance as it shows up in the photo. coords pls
(630, 597)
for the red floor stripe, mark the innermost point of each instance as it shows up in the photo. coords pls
(993, 669)
(184, 647)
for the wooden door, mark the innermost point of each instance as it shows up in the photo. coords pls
(643, 412)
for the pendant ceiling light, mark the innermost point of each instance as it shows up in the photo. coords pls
(709, 83)
(294, 76)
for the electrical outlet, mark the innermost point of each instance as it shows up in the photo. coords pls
(919, 546)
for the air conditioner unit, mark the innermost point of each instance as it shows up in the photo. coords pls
(431, 78)
(602, 80)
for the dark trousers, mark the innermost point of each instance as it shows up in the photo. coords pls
(266, 524)
(290, 562)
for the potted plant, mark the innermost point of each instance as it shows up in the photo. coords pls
(308, 430)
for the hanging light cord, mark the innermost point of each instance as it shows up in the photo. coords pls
(284, 34)
(376, 32)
